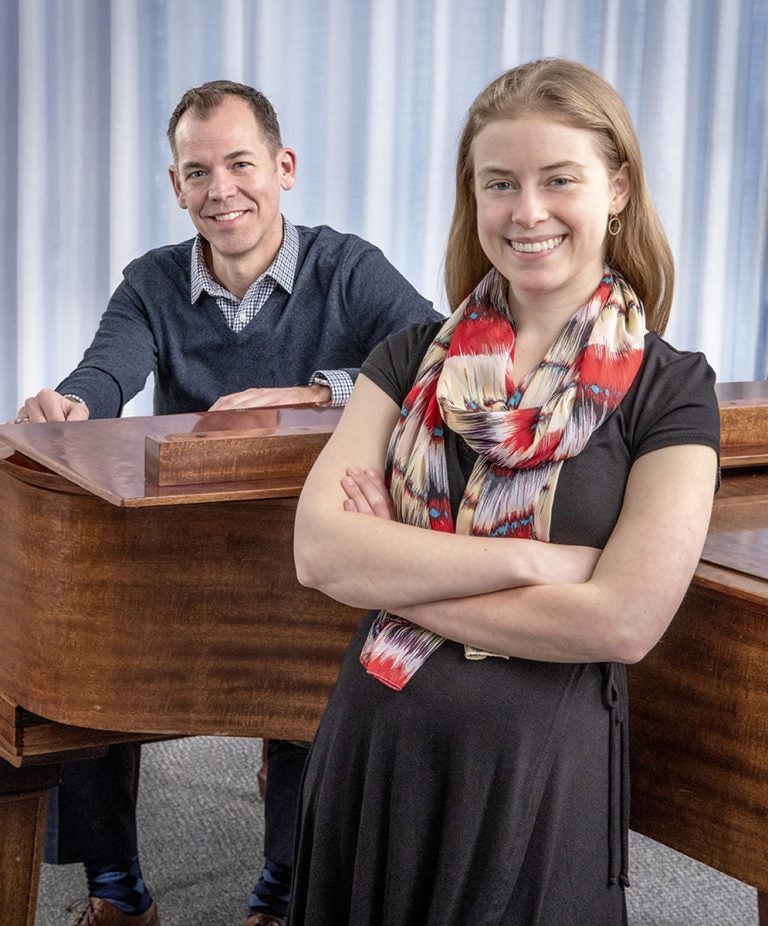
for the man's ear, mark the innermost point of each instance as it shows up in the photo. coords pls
(621, 185)
(286, 167)
(177, 186)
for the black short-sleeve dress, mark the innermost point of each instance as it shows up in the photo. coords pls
(495, 792)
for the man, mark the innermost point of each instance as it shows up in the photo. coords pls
(254, 311)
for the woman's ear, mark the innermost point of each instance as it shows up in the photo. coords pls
(620, 184)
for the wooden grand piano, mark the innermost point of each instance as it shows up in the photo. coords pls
(132, 607)
(699, 701)
(140, 592)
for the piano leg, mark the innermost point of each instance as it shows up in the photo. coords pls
(23, 801)
(762, 908)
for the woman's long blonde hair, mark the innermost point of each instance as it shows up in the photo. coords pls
(575, 95)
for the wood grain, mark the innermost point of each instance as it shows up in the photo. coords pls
(23, 800)
(743, 423)
(699, 735)
(699, 700)
(232, 456)
(106, 457)
(163, 619)
(26, 739)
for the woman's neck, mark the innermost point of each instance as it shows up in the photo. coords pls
(546, 314)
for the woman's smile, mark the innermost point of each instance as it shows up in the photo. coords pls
(539, 246)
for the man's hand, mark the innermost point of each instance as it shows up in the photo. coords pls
(49, 405)
(287, 395)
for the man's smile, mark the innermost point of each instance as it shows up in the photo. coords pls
(227, 216)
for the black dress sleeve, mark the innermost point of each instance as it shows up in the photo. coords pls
(393, 364)
(674, 402)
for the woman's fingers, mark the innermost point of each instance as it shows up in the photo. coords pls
(367, 493)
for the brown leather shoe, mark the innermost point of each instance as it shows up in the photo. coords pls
(101, 912)
(263, 919)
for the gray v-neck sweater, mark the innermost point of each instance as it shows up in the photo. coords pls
(346, 298)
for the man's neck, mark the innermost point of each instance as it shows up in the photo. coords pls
(237, 274)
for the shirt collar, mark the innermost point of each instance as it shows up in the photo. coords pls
(282, 269)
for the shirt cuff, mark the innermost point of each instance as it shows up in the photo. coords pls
(339, 382)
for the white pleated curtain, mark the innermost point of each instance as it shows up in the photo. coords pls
(371, 94)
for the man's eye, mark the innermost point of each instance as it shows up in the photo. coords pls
(195, 174)
(241, 165)
(561, 181)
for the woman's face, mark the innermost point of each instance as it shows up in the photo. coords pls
(544, 196)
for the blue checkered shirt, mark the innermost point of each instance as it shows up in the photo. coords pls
(239, 312)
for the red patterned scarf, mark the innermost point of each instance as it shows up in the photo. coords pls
(522, 432)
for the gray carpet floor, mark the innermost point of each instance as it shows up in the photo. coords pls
(201, 828)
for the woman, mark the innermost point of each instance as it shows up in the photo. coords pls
(550, 466)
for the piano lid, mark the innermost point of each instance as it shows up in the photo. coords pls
(107, 457)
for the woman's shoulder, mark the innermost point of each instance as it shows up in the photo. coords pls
(393, 363)
(660, 353)
(412, 338)
(667, 372)
(672, 399)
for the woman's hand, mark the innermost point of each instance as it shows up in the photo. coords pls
(367, 493)
(353, 559)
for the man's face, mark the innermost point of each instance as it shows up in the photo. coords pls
(229, 181)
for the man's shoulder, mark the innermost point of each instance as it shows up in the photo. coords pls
(348, 272)
(322, 241)
(167, 260)
(332, 257)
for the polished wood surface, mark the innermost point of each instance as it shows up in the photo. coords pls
(107, 457)
(144, 609)
(23, 800)
(28, 739)
(699, 700)
(231, 456)
(743, 423)
(122, 612)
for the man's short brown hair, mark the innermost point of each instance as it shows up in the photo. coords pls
(204, 100)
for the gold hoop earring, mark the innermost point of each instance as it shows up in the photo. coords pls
(614, 226)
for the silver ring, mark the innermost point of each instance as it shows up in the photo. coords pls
(21, 419)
